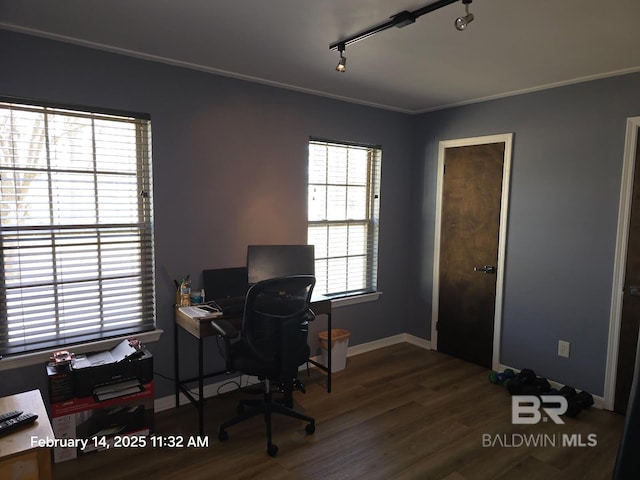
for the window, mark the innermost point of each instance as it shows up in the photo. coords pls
(75, 226)
(344, 199)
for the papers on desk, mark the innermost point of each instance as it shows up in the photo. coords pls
(204, 311)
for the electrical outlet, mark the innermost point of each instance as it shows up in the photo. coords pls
(563, 348)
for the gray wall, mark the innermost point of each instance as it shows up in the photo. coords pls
(229, 165)
(565, 188)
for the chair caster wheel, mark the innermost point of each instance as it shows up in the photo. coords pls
(272, 449)
(223, 436)
(310, 428)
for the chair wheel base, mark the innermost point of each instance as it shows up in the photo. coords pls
(310, 428)
(272, 449)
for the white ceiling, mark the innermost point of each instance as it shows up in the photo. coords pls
(512, 46)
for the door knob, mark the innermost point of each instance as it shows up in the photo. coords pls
(492, 269)
(633, 290)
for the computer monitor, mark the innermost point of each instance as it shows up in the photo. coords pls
(225, 283)
(273, 261)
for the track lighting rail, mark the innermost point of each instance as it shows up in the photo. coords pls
(398, 20)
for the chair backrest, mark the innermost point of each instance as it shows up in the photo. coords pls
(275, 323)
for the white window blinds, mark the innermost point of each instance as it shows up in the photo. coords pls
(344, 198)
(75, 227)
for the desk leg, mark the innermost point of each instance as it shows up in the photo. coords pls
(329, 353)
(176, 362)
(44, 463)
(200, 387)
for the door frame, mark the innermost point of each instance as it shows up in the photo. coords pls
(624, 216)
(507, 139)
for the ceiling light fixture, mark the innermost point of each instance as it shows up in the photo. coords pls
(398, 20)
(462, 22)
(342, 64)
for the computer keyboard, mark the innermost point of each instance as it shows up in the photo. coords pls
(16, 422)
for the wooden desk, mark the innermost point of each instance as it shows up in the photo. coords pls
(201, 328)
(19, 460)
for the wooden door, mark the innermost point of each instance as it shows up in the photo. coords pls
(468, 250)
(630, 318)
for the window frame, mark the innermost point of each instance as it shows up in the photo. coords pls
(145, 328)
(370, 222)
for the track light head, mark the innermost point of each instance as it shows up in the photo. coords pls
(462, 22)
(342, 64)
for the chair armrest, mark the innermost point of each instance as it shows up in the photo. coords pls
(224, 328)
(310, 316)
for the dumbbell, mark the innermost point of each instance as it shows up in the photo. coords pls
(527, 375)
(501, 378)
(538, 387)
(527, 382)
(543, 385)
(585, 399)
(574, 404)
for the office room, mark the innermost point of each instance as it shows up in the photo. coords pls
(233, 98)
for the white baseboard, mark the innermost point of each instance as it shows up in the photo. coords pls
(386, 342)
(211, 390)
(417, 341)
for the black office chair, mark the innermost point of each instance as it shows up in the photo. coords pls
(272, 345)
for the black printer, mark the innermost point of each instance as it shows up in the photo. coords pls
(128, 361)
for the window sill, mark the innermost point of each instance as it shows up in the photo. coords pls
(338, 302)
(42, 357)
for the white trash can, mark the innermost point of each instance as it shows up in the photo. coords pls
(339, 345)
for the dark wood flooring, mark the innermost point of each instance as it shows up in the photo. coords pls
(400, 412)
